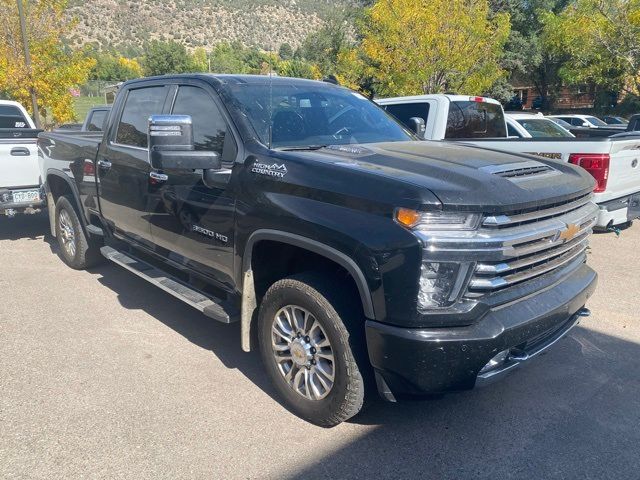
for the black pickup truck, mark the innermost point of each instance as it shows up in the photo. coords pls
(352, 255)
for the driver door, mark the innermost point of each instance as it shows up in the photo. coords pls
(193, 221)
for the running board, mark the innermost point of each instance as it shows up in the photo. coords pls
(211, 306)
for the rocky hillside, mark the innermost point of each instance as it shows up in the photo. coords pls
(198, 23)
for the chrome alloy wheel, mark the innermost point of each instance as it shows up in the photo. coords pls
(68, 233)
(302, 352)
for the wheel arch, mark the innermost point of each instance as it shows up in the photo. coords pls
(57, 185)
(250, 295)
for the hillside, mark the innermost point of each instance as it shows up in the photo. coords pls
(261, 23)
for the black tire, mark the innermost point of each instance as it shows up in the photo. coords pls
(327, 303)
(85, 254)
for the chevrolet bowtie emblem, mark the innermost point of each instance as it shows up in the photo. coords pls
(571, 231)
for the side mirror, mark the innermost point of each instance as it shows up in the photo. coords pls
(585, 124)
(418, 126)
(170, 140)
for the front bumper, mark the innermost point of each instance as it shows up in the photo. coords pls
(426, 361)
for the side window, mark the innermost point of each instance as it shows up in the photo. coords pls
(11, 117)
(577, 122)
(512, 132)
(138, 107)
(210, 130)
(404, 111)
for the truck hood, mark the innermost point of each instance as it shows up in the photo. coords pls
(465, 177)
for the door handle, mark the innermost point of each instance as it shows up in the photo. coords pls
(104, 164)
(20, 152)
(158, 177)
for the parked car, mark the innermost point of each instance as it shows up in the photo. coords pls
(614, 121)
(528, 125)
(562, 123)
(353, 252)
(588, 121)
(20, 186)
(613, 162)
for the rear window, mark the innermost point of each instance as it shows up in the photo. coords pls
(405, 111)
(469, 119)
(12, 117)
(96, 123)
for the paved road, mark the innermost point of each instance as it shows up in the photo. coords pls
(104, 376)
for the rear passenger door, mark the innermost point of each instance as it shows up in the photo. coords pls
(193, 222)
(123, 164)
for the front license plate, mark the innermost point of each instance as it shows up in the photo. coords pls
(26, 196)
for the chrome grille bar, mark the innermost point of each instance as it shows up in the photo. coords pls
(503, 267)
(537, 215)
(507, 280)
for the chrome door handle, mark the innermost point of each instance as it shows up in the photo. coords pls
(104, 164)
(158, 177)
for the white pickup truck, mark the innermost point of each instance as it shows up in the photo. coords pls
(20, 183)
(613, 162)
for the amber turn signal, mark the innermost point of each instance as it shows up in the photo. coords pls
(407, 217)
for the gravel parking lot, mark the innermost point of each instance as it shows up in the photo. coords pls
(105, 376)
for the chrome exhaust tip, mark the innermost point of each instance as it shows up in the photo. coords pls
(584, 312)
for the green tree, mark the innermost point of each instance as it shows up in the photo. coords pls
(55, 70)
(297, 68)
(601, 39)
(161, 58)
(114, 67)
(413, 47)
(285, 52)
(323, 46)
(525, 56)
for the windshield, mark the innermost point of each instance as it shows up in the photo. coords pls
(12, 117)
(541, 127)
(307, 115)
(596, 121)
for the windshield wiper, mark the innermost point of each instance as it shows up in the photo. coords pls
(301, 148)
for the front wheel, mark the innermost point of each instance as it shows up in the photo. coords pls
(75, 249)
(306, 349)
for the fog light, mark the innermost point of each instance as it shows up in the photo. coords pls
(496, 361)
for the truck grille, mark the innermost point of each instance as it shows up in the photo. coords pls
(521, 245)
(559, 235)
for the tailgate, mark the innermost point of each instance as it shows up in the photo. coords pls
(624, 170)
(19, 163)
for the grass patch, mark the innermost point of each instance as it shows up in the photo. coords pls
(81, 105)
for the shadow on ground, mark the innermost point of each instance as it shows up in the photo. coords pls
(573, 413)
(33, 227)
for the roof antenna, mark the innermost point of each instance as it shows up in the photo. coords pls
(270, 106)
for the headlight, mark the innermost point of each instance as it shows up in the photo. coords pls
(436, 221)
(441, 284)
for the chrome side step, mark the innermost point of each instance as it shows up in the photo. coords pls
(211, 306)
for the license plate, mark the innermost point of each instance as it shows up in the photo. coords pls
(633, 211)
(26, 196)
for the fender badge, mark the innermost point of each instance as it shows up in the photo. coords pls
(271, 170)
(571, 231)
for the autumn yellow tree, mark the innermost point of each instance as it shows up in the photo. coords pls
(411, 47)
(54, 70)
